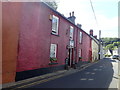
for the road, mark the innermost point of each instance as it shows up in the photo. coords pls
(98, 75)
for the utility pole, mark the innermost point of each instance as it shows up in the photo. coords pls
(99, 44)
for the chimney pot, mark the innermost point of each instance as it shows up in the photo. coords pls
(70, 14)
(73, 13)
(91, 32)
(95, 36)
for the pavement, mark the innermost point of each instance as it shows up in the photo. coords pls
(115, 80)
(45, 77)
(105, 75)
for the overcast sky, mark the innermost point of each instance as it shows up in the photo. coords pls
(106, 13)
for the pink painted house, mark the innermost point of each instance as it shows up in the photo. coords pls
(47, 41)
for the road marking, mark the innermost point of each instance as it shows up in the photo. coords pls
(91, 79)
(39, 82)
(52, 78)
(95, 69)
(83, 79)
(87, 73)
(92, 73)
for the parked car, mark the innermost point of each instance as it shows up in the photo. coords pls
(116, 57)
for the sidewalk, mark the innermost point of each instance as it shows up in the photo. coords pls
(119, 73)
(116, 79)
(46, 77)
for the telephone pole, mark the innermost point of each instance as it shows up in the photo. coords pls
(99, 44)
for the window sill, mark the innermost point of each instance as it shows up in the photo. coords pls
(54, 34)
(53, 63)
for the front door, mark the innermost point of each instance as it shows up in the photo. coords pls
(70, 55)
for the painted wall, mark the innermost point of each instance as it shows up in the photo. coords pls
(86, 48)
(27, 38)
(95, 50)
(10, 30)
(35, 38)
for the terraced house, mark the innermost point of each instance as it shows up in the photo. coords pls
(38, 40)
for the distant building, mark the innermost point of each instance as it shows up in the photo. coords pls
(95, 47)
(115, 51)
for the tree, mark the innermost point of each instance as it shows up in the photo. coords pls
(53, 4)
(107, 41)
(117, 44)
(110, 47)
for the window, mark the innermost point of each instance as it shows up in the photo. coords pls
(80, 52)
(80, 37)
(71, 32)
(55, 21)
(53, 50)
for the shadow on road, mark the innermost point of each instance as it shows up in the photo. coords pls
(98, 75)
(112, 60)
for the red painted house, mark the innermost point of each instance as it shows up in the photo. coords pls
(46, 39)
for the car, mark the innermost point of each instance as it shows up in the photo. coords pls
(116, 57)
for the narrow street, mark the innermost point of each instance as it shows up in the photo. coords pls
(98, 75)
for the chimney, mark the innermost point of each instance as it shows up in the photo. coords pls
(73, 13)
(72, 18)
(91, 32)
(70, 14)
(95, 36)
(79, 25)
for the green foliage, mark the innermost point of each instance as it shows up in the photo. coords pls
(107, 41)
(111, 43)
(80, 57)
(53, 59)
(110, 46)
(107, 55)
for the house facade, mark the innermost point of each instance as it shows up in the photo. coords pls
(39, 40)
(95, 50)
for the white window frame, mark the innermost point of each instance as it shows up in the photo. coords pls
(55, 29)
(53, 51)
(71, 32)
(80, 37)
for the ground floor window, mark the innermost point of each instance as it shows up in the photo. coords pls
(53, 50)
(80, 54)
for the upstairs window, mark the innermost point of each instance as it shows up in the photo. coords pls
(71, 32)
(55, 21)
(53, 50)
(80, 37)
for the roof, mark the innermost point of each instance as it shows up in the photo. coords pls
(96, 40)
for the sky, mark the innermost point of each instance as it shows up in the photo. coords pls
(106, 12)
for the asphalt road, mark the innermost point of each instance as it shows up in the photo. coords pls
(98, 75)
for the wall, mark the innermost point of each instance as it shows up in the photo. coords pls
(10, 31)
(35, 38)
(86, 48)
(27, 38)
(95, 50)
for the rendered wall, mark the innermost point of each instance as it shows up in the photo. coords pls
(10, 31)
(35, 38)
(95, 50)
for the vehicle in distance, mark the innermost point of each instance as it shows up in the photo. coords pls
(116, 57)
